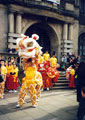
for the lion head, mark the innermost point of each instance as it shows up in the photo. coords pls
(28, 46)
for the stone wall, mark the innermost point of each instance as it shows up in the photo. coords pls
(75, 37)
(3, 28)
(81, 29)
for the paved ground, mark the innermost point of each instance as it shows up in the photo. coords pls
(53, 105)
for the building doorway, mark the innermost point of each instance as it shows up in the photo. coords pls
(44, 38)
(81, 45)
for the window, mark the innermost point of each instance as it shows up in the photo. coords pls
(81, 45)
(82, 7)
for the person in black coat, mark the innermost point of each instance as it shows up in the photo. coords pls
(81, 108)
(80, 80)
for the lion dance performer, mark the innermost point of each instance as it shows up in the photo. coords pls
(3, 72)
(53, 73)
(43, 69)
(30, 51)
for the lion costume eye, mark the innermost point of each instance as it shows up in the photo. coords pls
(29, 44)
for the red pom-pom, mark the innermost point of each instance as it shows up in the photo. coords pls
(25, 37)
(34, 37)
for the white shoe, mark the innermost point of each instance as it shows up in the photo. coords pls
(10, 91)
(34, 106)
(47, 89)
(15, 91)
(17, 106)
(37, 99)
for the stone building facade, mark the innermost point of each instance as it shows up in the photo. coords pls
(57, 25)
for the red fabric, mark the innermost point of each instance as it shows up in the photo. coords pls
(43, 69)
(47, 73)
(53, 76)
(50, 82)
(72, 84)
(15, 83)
(55, 79)
(45, 80)
(9, 82)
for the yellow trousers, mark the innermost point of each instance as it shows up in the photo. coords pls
(2, 85)
(33, 86)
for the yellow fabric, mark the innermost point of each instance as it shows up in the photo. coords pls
(16, 71)
(30, 73)
(53, 62)
(2, 85)
(33, 85)
(46, 56)
(16, 74)
(72, 72)
(3, 70)
(76, 76)
(41, 59)
(9, 68)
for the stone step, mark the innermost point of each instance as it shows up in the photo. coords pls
(59, 87)
(61, 74)
(62, 81)
(60, 84)
(62, 78)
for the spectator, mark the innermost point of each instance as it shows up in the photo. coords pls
(64, 61)
(71, 83)
(9, 81)
(14, 74)
(80, 79)
(81, 109)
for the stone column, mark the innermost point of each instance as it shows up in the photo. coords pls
(11, 22)
(70, 32)
(65, 31)
(18, 23)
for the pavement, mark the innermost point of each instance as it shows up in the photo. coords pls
(53, 105)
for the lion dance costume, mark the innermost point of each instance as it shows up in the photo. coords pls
(30, 51)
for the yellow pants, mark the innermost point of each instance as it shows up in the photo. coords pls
(34, 89)
(2, 85)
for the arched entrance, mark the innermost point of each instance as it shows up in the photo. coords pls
(46, 35)
(81, 45)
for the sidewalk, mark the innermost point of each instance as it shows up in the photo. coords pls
(53, 105)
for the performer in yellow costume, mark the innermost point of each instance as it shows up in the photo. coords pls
(29, 50)
(3, 71)
(46, 56)
(53, 61)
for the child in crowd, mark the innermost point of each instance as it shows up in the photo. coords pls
(68, 72)
(81, 109)
(9, 80)
(14, 74)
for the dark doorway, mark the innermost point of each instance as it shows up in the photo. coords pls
(41, 30)
(81, 45)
